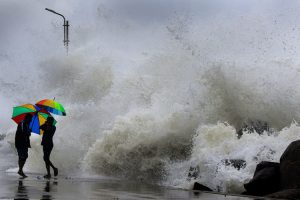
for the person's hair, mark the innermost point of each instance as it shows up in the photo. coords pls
(50, 120)
(28, 117)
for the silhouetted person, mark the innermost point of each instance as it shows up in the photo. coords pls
(47, 142)
(22, 142)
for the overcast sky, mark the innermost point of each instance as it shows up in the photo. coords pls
(220, 28)
(127, 31)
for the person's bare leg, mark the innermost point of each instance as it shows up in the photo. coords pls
(48, 175)
(55, 170)
(21, 165)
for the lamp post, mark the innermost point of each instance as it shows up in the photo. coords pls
(66, 28)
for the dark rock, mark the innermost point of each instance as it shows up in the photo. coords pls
(194, 172)
(278, 180)
(266, 179)
(290, 166)
(236, 163)
(252, 126)
(264, 150)
(198, 186)
(293, 194)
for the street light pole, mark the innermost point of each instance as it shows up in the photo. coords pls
(66, 28)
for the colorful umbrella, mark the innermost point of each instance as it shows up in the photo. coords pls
(39, 116)
(52, 106)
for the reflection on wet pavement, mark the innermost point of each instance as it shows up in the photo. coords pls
(35, 187)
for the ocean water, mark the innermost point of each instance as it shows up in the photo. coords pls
(152, 89)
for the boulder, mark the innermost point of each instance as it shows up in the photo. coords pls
(293, 194)
(290, 166)
(278, 180)
(236, 163)
(266, 179)
(198, 186)
(193, 172)
(251, 126)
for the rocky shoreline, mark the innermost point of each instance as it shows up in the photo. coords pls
(273, 180)
(278, 180)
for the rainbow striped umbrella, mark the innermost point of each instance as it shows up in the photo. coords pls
(39, 116)
(52, 106)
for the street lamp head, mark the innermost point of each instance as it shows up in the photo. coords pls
(55, 13)
(49, 10)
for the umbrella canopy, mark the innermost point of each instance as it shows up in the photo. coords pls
(38, 120)
(39, 116)
(52, 106)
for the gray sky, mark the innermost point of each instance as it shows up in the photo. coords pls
(128, 32)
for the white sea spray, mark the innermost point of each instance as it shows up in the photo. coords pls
(150, 95)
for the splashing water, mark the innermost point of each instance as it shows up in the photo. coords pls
(147, 102)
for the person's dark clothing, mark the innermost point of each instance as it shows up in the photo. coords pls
(47, 140)
(23, 133)
(22, 141)
(22, 153)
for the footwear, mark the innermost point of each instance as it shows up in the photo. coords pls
(21, 173)
(48, 176)
(55, 171)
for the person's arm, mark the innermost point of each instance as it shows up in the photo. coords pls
(17, 133)
(28, 130)
(54, 129)
(19, 128)
(43, 127)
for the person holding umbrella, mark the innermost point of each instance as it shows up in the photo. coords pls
(56, 108)
(22, 142)
(30, 118)
(47, 143)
